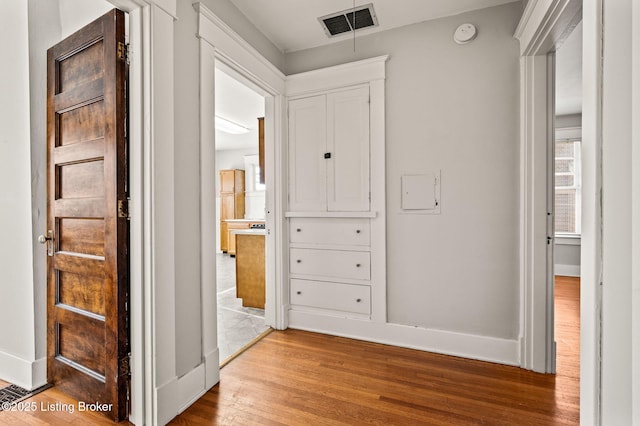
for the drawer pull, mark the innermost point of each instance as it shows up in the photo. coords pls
(358, 300)
(298, 292)
(298, 230)
(357, 265)
(299, 261)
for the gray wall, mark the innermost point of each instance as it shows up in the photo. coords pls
(451, 108)
(187, 191)
(569, 120)
(232, 16)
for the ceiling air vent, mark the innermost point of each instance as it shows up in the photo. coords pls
(349, 20)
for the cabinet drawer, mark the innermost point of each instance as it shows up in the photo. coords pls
(331, 263)
(334, 296)
(330, 231)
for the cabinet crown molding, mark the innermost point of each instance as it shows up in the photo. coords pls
(337, 76)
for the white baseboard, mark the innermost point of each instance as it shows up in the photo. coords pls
(166, 402)
(26, 374)
(502, 351)
(177, 395)
(212, 366)
(567, 270)
(191, 387)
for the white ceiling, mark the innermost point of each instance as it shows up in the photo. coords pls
(293, 24)
(238, 103)
(569, 74)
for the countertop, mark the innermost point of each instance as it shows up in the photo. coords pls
(249, 232)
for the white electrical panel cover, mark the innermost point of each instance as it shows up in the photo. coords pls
(421, 192)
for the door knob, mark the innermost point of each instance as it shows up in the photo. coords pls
(48, 240)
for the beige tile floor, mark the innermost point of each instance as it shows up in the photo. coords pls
(237, 325)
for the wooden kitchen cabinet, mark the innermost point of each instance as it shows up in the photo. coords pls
(232, 225)
(250, 269)
(232, 188)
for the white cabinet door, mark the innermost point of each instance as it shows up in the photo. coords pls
(348, 143)
(307, 144)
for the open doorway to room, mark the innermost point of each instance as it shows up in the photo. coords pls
(240, 204)
(567, 203)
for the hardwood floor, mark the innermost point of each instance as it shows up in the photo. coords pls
(296, 378)
(293, 377)
(52, 407)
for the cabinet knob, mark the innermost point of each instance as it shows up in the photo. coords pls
(358, 300)
(299, 261)
(357, 231)
(298, 292)
(357, 265)
(298, 230)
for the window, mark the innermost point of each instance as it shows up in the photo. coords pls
(256, 177)
(568, 186)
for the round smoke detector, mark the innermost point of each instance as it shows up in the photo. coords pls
(465, 33)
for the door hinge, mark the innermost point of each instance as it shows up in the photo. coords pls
(123, 209)
(123, 52)
(124, 368)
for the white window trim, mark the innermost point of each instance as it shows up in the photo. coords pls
(572, 134)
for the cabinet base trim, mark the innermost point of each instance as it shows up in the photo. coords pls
(368, 215)
(483, 348)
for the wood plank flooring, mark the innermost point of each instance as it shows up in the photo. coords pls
(294, 378)
(298, 378)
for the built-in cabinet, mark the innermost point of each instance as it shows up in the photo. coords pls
(329, 152)
(232, 192)
(330, 264)
(329, 210)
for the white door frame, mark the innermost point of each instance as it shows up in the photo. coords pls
(150, 73)
(221, 47)
(544, 24)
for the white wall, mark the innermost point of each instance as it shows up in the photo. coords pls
(451, 108)
(44, 31)
(617, 120)
(17, 339)
(75, 14)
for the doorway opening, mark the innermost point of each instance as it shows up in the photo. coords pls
(240, 207)
(566, 187)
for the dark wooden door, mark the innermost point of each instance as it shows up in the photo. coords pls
(87, 318)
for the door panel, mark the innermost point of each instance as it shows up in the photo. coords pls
(87, 288)
(307, 146)
(348, 141)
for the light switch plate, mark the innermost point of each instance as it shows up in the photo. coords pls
(421, 192)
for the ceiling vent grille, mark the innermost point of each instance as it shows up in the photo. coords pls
(349, 20)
